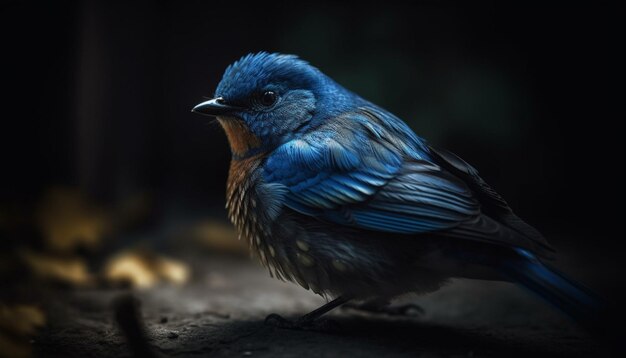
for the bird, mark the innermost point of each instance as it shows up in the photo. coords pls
(342, 197)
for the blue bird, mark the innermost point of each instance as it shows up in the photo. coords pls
(339, 195)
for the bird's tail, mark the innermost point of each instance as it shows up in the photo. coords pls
(572, 298)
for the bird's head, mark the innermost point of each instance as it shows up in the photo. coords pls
(266, 99)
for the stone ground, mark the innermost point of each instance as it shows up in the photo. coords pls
(221, 313)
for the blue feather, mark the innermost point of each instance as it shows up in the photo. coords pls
(368, 180)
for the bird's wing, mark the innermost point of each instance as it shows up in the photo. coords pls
(366, 169)
(360, 171)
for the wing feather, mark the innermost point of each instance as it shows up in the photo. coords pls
(366, 169)
(351, 173)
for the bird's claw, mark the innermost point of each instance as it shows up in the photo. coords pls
(280, 322)
(300, 323)
(409, 309)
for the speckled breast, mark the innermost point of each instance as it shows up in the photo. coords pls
(326, 261)
(247, 213)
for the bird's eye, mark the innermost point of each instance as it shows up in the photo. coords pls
(268, 98)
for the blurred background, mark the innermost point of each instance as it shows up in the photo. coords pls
(108, 178)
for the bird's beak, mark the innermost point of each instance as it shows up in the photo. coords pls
(214, 107)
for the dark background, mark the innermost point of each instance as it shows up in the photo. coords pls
(104, 169)
(97, 96)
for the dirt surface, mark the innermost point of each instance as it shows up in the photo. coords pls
(221, 313)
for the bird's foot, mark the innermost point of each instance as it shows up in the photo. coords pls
(408, 310)
(301, 323)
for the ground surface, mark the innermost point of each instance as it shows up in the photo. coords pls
(221, 313)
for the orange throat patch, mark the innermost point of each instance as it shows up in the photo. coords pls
(239, 136)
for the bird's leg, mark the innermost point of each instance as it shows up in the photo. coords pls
(310, 319)
(382, 305)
